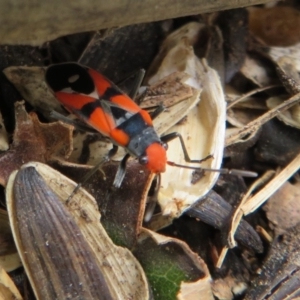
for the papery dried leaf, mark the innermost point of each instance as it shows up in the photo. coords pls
(57, 135)
(288, 74)
(173, 47)
(229, 287)
(168, 263)
(289, 117)
(256, 71)
(203, 133)
(292, 52)
(194, 290)
(33, 141)
(26, 145)
(78, 258)
(241, 117)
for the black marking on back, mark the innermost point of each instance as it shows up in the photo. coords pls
(58, 78)
(118, 112)
(89, 108)
(134, 125)
(111, 92)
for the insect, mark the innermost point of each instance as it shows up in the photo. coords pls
(101, 104)
(95, 99)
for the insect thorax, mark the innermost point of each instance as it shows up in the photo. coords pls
(139, 143)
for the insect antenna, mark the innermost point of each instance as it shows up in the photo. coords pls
(235, 172)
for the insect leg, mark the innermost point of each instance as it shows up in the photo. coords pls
(152, 200)
(136, 77)
(89, 174)
(171, 136)
(121, 171)
(78, 125)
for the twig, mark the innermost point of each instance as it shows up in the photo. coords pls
(238, 214)
(257, 200)
(255, 91)
(254, 125)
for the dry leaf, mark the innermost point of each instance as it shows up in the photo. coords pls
(34, 141)
(228, 287)
(170, 265)
(254, 70)
(292, 52)
(289, 117)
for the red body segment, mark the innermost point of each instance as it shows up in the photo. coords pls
(102, 84)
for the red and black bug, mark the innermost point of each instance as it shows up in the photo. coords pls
(101, 104)
(96, 100)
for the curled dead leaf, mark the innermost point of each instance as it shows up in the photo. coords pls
(33, 140)
(172, 268)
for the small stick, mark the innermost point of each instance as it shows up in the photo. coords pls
(258, 199)
(264, 234)
(238, 214)
(255, 91)
(221, 257)
(254, 125)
